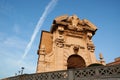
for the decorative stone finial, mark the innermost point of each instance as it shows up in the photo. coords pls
(101, 59)
(101, 56)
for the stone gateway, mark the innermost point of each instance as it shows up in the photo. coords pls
(68, 45)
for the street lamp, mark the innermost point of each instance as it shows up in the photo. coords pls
(22, 68)
(19, 72)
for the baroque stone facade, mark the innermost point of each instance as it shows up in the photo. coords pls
(67, 45)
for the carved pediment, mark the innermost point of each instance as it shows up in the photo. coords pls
(73, 23)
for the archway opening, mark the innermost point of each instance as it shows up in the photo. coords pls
(75, 61)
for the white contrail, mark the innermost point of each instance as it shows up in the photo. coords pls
(47, 10)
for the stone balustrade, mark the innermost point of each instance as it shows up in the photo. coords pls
(89, 73)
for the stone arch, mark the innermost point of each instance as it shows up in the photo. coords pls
(75, 61)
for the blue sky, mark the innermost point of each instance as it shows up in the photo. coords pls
(18, 20)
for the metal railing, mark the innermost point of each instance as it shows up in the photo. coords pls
(90, 73)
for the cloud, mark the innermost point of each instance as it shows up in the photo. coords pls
(11, 45)
(11, 49)
(47, 10)
(9, 54)
(14, 42)
(11, 66)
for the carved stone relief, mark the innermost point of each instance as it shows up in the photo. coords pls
(76, 49)
(59, 41)
(74, 23)
(91, 47)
